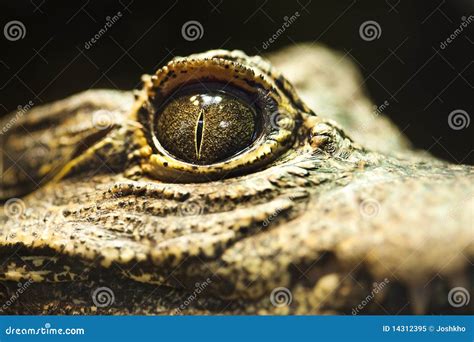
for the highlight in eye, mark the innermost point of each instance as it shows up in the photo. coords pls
(202, 126)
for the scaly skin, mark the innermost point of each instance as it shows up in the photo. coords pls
(324, 220)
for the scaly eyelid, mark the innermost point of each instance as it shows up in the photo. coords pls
(274, 108)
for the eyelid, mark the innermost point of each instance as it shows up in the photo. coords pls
(245, 77)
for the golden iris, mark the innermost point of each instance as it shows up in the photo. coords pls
(206, 127)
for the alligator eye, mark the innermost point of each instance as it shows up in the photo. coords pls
(202, 126)
(214, 115)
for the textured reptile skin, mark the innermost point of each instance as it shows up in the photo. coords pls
(347, 205)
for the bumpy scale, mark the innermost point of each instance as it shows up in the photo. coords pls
(259, 206)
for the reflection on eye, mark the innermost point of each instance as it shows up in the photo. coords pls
(203, 126)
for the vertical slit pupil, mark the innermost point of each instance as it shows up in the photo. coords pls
(199, 132)
(204, 127)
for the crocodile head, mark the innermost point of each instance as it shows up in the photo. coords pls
(217, 189)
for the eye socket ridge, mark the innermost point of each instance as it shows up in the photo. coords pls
(272, 119)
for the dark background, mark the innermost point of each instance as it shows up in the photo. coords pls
(405, 66)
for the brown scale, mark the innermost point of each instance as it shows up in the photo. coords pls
(277, 202)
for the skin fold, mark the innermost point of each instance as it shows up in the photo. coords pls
(341, 216)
